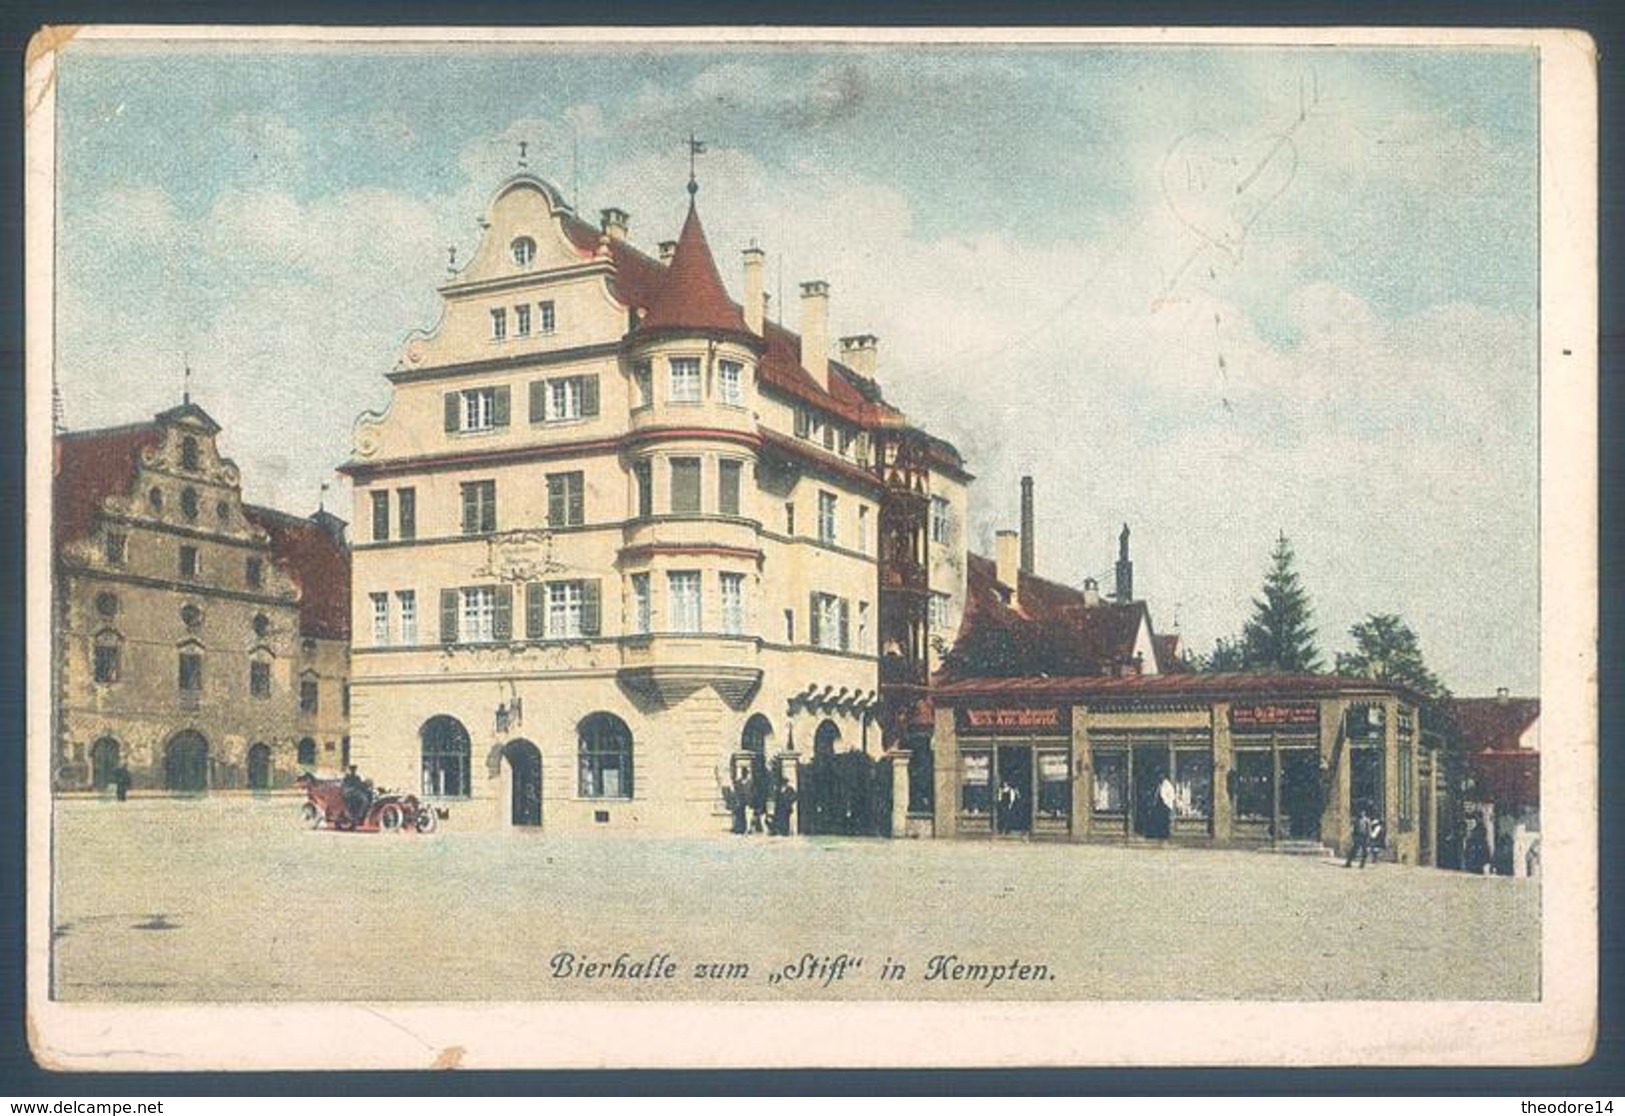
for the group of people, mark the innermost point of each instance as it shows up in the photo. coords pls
(758, 802)
(1369, 838)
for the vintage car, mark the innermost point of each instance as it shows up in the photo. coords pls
(385, 810)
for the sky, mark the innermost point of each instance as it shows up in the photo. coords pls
(1216, 293)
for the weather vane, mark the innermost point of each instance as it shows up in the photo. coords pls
(696, 147)
(522, 146)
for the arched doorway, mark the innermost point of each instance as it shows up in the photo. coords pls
(186, 763)
(259, 768)
(525, 780)
(103, 762)
(754, 741)
(604, 751)
(445, 757)
(838, 790)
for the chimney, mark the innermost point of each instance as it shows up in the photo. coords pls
(1091, 592)
(1027, 525)
(1502, 696)
(668, 249)
(861, 354)
(755, 295)
(1006, 563)
(614, 222)
(815, 330)
(1125, 569)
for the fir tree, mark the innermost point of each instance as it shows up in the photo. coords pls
(1278, 637)
(1386, 649)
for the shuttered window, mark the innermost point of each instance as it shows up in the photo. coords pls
(565, 500)
(685, 486)
(479, 507)
(728, 473)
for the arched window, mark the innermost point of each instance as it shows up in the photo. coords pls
(189, 453)
(758, 731)
(259, 767)
(524, 250)
(446, 750)
(605, 751)
(107, 656)
(307, 752)
(825, 739)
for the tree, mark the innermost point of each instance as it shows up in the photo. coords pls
(1386, 649)
(1279, 637)
(1224, 658)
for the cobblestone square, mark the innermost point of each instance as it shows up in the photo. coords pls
(227, 899)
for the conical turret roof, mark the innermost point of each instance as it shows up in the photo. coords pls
(692, 297)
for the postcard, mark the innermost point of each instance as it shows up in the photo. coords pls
(856, 547)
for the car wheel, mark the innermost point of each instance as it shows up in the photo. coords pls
(309, 816)
(426, 819)
(390, 817)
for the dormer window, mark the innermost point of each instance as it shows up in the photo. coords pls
(524, 250)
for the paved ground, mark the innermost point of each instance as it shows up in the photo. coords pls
(227, 899)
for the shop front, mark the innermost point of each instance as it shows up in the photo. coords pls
(1011, 774)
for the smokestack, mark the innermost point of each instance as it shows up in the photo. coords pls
(755, 295)
(1125, 569)
(668, 249)
(1502, 695)
(1091, 592)
(815, 330)
(1027, 525)
(1007, 563)
(614, 222)
(861, 354)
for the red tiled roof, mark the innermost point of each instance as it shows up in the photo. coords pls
(1493, 724)
(1181, 685)
(692, 296)
(1510, 779)
(319, 566)
(90, 467)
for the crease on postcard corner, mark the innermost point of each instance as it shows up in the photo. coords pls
(47, 41)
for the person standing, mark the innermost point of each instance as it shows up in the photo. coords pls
(1165, 807)
(782, 802)
(121, 782)
(1362, 839)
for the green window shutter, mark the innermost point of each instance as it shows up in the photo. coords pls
(448, 616)
(502, 624)
(589, 396)
(501, 401)
(454, 403)
(471, 509)
(813, 619)
(591, 612)
(488, 511)
(535, 610)
(538, 401)
(845, 641)
(556, 509)
(576, 491)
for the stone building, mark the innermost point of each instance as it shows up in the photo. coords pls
(622, 541)
(200, 642)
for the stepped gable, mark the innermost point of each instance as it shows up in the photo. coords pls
(90, 467)
(317, 564)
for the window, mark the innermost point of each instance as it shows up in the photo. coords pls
(189, 503)
(643, 475)
(192, 617)
(380, 516)
(222, 511)
(1054, 785)
(310, 696)
(446, 752)
(1406, 786)
(728, 487)
(829, 618)
(641, 606)
(499, 324)
(307, 752)
(545, 312)
(155, 498)
(189, 453)
(563, 399)
(685, 380)
(803, 422)
(116, 548)
(259, 679)
(107, 604)
(477, 622)
(733, 603)
(790, 520)
(789, 625)
(863, 528)
(254, 572)
(189, 562)
(939, 611)
(380, 619)
(523, 250)
(863, 626)
(829, 436)
(1111, 782)
(407, 600)
(521, 320)
(262, 624)
(344, 707)
(826, 518)
(683, 596)
(479, 409)
(191, 672)
(643, 380)
(1193, 784)
(1254, 785)
(479, 507)
(731, 383)
(939, 519)
(107, 662)
(685, 486)
(565, 501)
(605, 753)
(975, 782)
(564, 610)
(407, 504)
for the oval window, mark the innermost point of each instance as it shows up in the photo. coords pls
(192, 616)
(262, 624)
(524, 251)
(155, 498)
(189, 503)
(223, 510)
(107, 604)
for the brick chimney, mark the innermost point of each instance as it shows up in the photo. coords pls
(815, 330)
(755, 295)
(614, 222)
(1125, 570)
(1091, 592)
(668, 249)
(861, 353)
(1027, 525)
(1007, 563)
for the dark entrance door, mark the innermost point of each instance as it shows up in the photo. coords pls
(103, 762)
(1150, 769)
(1015, 791)
(1300, 793)
(525, 773)
(259, 767)
(186, 763)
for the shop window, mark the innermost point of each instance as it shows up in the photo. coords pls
(1111, 783)
(446, 750)
(976, 783)
(1254, 785)
(1407, 787)
(1054, 785)
(1193, 784)
(605, 756)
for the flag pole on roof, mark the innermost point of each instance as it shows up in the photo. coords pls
(696, 147)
